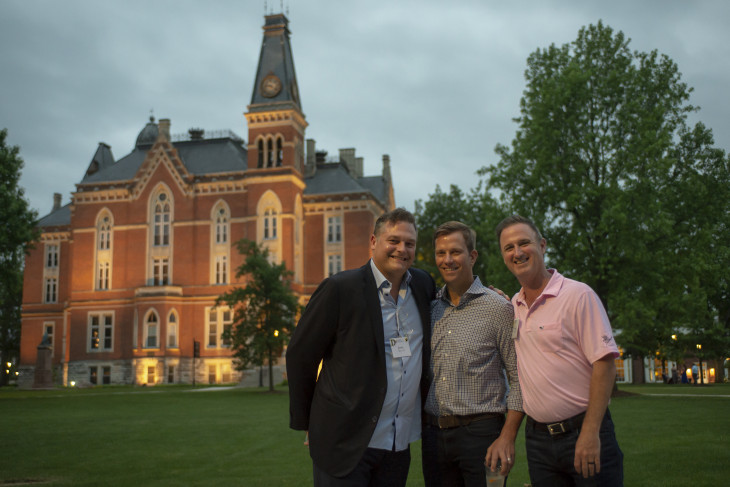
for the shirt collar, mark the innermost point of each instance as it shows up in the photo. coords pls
(380, 279)
(551, 289)
(476, 289)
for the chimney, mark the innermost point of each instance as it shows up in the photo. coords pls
(347, 156)
(386, 167)
(56, 201)
(164, 130)
(311, 149)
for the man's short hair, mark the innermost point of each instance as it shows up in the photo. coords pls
(392, 217)
(470, 236)
(514, 220)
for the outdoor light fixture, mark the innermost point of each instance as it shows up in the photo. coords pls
(674, 337)
(699, 347)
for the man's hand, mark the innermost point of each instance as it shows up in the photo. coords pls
(588, 454)
(501, 451)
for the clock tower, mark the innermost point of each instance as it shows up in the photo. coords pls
(276, 125)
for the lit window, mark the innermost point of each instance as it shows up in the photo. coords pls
(101, 329)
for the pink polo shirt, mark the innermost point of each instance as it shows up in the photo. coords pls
(559, 338)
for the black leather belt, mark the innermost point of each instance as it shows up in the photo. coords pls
(560, 427)
(445, 422)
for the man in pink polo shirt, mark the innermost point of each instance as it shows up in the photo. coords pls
(565, 361)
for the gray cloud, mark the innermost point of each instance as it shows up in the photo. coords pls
(434, 85)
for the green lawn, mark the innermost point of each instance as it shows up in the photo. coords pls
(177, 436)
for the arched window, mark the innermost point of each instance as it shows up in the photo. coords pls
(162, 220)
(261, 153)
(172, 330)
(270, 153)
(151, 329)
(270, 231)
(104, 233)
(279, 151)
(221, 226)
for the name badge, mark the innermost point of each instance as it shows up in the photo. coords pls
(515, 328)
(400, 347)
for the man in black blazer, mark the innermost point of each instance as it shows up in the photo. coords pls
(364, 410)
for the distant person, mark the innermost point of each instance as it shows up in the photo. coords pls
(695, 373)
(565, 357)
(471, 350)
(684, 377)
(367, 327)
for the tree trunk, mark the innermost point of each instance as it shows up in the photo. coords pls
(637, 366)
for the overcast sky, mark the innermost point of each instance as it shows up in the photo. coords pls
(434, 84)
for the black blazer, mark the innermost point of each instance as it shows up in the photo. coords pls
(343, 325)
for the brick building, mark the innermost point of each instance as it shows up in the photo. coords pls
(125, 277)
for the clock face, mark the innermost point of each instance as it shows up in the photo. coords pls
(270, 86)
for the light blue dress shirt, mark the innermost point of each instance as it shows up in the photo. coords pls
(399, 423)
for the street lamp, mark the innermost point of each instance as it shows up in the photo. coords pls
(699, 356)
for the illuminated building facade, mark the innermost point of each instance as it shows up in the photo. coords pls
(124, 278)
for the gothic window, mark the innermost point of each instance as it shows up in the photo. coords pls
(172, 330)
(261, 154)
(270, 224)
(279, 151)
(270, 153)
(162, 220)
(104, 231)
(221, 226)
(151, 330)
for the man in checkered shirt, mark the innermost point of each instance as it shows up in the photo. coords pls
(470, 414)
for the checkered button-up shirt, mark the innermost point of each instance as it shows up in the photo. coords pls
(472, 351)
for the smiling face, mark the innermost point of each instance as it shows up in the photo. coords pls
(455, 262)
(523, 253)
(393, 249)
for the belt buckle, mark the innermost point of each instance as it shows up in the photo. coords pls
(556, 428)
(443, 424)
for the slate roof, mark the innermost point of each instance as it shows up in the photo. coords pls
(200, 157)
(57, 218)
(334, 178)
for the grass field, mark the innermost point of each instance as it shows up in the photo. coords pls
(182, 436)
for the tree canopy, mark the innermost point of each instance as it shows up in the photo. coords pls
(265, 308)
(631, 199)
(18, 233)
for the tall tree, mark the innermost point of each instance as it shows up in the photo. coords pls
(605, 162)
(18, 221)
(265, 309)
